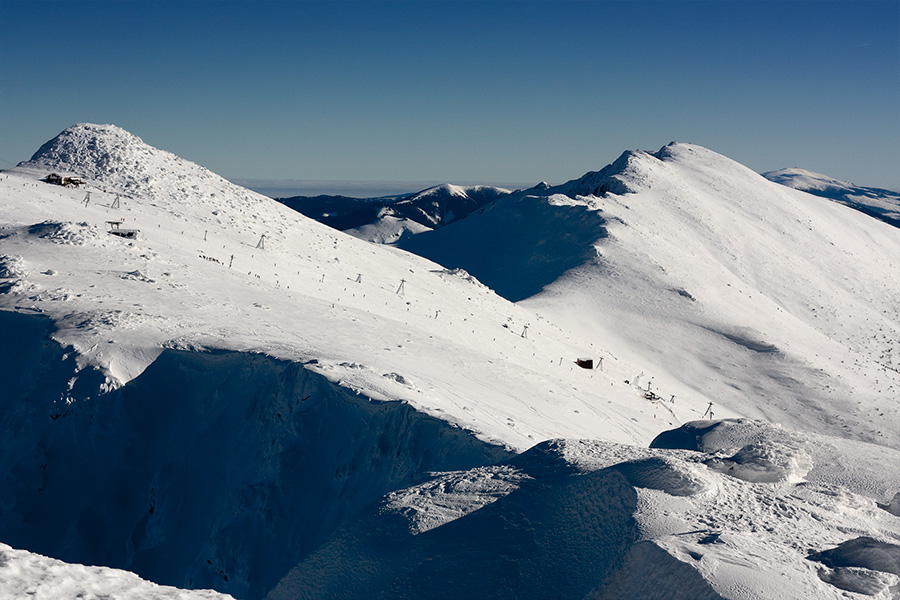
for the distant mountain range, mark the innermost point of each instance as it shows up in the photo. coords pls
(875, 202)
(387, 220)
(396, 219)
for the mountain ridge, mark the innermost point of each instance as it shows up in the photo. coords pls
(394, 217)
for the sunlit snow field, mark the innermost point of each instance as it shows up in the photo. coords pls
(244, 399)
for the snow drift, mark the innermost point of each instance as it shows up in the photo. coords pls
(621, 522)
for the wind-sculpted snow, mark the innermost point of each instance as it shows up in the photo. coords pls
(516, 546)
(621, 522)
(757, 451)
(862, 565)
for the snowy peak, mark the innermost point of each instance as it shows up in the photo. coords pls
(82, 145)
(686, 257)
(113, 159)
(808, 181)
(106, 154)
(609, 179)
(445, 203)
(444, 190)
(635, 170)
(881, 204)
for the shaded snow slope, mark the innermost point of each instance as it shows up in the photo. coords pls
(761, 298)
(518, 245)
(621, 522)
(875, 202)
(209, 469)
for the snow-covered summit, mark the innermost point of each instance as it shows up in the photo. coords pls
(110, 156)
(86, 146)
(118, 162)
(801, 179)
(446, 189)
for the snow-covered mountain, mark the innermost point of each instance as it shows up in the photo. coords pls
(720, 279)
(875, 202)
(244, 399)
(387, 220)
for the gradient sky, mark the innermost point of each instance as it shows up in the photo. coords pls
(464, 92)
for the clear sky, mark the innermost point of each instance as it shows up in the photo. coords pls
(463, 92)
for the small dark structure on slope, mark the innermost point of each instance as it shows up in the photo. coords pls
(65, 181)
(585, 363)
(116, 229)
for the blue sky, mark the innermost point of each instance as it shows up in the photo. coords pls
(464, 92)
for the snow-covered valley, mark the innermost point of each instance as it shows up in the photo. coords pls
(244, 399)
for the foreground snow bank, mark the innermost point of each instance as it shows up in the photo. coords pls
(761, 452)
(211, 470)
(621, 522)
(27, 575)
